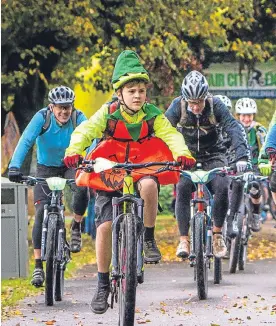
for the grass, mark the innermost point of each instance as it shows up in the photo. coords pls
(15, 289)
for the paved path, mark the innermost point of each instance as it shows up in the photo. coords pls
(167, 298)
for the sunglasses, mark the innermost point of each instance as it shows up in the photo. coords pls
(64, 107)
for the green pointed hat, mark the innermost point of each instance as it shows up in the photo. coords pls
(127, 68)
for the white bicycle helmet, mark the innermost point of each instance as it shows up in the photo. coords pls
(246, 106)
(61, 95)
(226, 100)
(194, 86)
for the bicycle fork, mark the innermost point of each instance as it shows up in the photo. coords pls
(208, 235)
(117, 219)
(44, 233)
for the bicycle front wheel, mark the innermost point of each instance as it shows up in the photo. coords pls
(59, 283)
(245, 235)
(50, 280)
(128, 270)
(236, 246)
(201, 261)
(217, 270)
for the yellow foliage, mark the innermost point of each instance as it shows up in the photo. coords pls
(90, 100)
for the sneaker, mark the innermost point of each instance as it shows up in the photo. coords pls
(99, 303)
(255, 223)
(38, 277)
(75, 245)
(151, 252)
(183, 249)
(219, 247)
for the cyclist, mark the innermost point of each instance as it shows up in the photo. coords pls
(271, 152)
(246, 109)
(236, 187)
(200, 118)
(51, 142)
(269, 148)
(128, 125)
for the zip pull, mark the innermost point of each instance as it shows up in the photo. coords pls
(197, 116)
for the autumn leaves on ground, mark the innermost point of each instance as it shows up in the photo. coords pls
(261, 246)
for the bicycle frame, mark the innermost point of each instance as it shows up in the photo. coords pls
(130, 204)
(54, 247)
(199, 179)
(56, 210)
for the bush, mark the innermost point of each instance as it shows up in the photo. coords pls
(165, 199)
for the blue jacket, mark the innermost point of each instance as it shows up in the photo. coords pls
(271, 138)
(51, 145)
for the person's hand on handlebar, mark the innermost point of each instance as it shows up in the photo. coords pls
(271, 152)
(242, 165)
(14, 174)
(72, 160)
(186, 162)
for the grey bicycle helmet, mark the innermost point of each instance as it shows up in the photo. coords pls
(194, 86)
(61, 95)
(226, 100)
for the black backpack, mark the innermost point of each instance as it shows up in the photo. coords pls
(47, 117)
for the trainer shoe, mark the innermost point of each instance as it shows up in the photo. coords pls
(219, 247)
(38, 277)
(75, 245)
(151, 252)
(99, 303)
(255, 223)
(183, 249)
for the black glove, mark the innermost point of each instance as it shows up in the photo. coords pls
(15, 175)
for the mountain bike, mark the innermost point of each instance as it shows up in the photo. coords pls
(201, 228)
(242, 219)
(127, 235)
(55, 249)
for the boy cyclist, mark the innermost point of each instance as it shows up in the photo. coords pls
(246, 109)
(133, 131)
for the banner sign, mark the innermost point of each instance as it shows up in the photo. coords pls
(225, 79)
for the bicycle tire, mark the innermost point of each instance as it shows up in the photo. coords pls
(243, 248)
(236, 246)
(50, 260)
(201, 263)
(59, 288)
(217, 270)
(128, 270)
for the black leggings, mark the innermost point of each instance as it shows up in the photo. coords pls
(236, 197)
(218, 186)
(79, 201)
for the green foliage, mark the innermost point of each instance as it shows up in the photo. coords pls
(165, 199)
(52, 40)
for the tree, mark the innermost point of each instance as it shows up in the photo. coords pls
(44, 43)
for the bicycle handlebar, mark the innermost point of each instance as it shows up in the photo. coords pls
(134, 165)
(31, 180)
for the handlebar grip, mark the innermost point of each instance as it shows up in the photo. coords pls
(88, 162)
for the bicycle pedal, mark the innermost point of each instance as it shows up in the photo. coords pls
(152, 262)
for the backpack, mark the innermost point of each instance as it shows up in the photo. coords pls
(47, 117)
(184, 115)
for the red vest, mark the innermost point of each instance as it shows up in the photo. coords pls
(121, 148)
